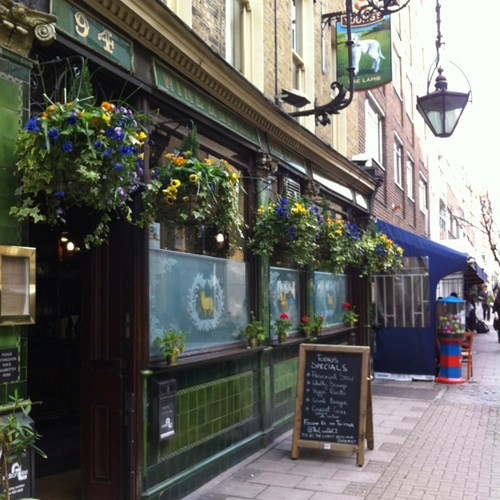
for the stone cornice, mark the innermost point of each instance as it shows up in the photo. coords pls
(173, 42)
(19, 26)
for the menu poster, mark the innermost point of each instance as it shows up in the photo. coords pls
(17, 285)
(333, 399)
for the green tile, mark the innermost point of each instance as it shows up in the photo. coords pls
(9, 95)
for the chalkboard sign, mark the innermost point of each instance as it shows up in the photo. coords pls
(333, 404)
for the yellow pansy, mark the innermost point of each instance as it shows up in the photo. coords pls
(175, 182)
(193, 178)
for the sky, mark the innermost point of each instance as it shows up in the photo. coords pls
(472, 42)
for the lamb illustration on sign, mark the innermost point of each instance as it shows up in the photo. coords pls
(205, 302)
(368, 47)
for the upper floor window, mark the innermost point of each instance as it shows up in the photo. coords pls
(298, 66)
(398, 163)
(442, 221)
(373, 133)
(182, 8)
(422, 195)
(410, 168)
(235, 33)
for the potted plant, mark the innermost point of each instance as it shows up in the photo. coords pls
(16, 437)
(350, 316)
(317, 324)
(306, 325)
(254, 332)
(282, 325)
(171, 344)
(185, 190)
(78, 154)
(289, 225)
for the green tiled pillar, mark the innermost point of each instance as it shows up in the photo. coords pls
(14, 106)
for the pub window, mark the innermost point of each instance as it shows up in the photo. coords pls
(198, 282)
(402, 300)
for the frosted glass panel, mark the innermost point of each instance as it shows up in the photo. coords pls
(330, 294)
(205, 296)
(284, 294)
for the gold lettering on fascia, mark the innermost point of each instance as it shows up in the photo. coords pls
(200, 102)
(169, 82)
(189, 95)
(107, 38)
(212, 111)
(82, 26)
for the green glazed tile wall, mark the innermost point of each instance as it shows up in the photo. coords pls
(14, 96)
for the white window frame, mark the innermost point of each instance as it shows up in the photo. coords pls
(410, 172)
(374, 138)
(398, 163)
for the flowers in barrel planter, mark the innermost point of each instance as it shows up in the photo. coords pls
(79, 154)
(291, 224)
(184, 190)
(350, 316)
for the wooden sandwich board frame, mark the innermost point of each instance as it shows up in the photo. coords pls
(333, 395)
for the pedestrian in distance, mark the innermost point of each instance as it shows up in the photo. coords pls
(496, 315)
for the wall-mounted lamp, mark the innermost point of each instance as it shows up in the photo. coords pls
(293, 97)
(66, 248)
(219, 239)
(363, 10)
(441, 109)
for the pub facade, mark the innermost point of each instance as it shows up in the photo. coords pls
(132, 425)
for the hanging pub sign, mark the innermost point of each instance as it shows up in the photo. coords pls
(17, 285)
(333, 409)
(371, 52)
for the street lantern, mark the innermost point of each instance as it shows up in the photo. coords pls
(441, 109)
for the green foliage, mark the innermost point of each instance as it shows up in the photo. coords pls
(255, 329)
(171, 342)
(16, 437)
(77, 154)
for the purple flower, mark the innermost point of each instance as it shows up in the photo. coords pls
(118, 166)
(53, 134)
(59, 194)
(98, 144)
(122, 193)
(67, 147)
(107, 152)
(32, 125)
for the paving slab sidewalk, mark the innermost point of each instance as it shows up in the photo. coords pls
(432, 442)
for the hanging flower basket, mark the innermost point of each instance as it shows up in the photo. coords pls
(186, 191)
(79, 155)
(289, 226)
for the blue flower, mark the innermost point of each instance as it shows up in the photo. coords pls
(53, 134)
(381, 250)
(283, 202)
(98, 144)
(118, 166)
(32, 125)
(59, 194)
(125, 150)
(67, 147)
(71, 120)
(107, 152)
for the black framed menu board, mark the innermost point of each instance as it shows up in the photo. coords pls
(333, 408)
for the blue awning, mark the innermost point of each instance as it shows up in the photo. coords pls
(413, 350)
